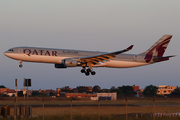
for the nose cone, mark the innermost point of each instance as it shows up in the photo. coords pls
(5, 53)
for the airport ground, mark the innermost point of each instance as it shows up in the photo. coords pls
(84, 109)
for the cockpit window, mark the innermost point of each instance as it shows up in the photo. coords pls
(10, 50)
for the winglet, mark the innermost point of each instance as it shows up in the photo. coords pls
(125, 50)
(130, 47)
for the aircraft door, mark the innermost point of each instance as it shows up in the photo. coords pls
(20, 50)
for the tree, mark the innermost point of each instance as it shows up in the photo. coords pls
(66, 89)
(150, 91)
(51, 94)
(105, 90)
(113, 89)
(176, 92)
(96, 89)
(37, 94)
(2, 86)
(120, 92)
(82, 89)
(125, 91)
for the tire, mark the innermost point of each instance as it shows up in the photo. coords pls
(93, 73)
(20, 66)
(87, 73)
(83, 71)
(88, 70)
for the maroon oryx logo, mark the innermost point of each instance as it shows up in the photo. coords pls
(157, 50)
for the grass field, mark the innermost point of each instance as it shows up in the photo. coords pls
(96, 117)
(105, 112)
(80, 102)
(143, 107)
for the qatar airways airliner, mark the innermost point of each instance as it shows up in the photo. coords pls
(63, 58)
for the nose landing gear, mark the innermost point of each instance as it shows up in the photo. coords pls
(88, 71)
(20, 64)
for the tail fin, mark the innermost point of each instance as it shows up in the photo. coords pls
(158, 49)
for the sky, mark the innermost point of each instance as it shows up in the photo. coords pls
(95, 25)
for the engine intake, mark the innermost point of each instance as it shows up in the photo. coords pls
(60, 65)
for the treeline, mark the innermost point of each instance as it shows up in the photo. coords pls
(149, 91)
(123, 91)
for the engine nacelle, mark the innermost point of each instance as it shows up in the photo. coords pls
(71, 63)
(67, 63)
(60, 65)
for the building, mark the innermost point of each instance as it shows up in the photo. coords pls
(165, 89)
(107, 96)
(48, 92)
(2, 90)
(90, 89)
(79, 95)
(136, 88)
(7, 91)
(11, 92)
(140, 93)
(58, 90)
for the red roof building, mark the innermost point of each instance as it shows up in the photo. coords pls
(2, 90)
(136, 88)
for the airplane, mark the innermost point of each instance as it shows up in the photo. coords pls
(63, 58)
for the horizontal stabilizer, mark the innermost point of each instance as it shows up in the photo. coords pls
(163, 58)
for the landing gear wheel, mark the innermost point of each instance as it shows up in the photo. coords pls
(88, 70)
(87, 73)
(93, 73)
(20, 65)
(20, 62)
(83, 71)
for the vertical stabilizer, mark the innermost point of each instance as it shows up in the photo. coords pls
(158, 49)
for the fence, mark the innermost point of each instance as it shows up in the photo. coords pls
(123, 108)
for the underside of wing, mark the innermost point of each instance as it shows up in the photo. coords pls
(97, 59)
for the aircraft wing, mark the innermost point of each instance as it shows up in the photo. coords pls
(96, 59)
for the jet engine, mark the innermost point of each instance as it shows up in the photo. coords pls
(67, 63)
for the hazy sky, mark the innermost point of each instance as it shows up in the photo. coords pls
(96, 25)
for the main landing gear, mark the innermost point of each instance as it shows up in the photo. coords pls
(20, 64)
(88, 71)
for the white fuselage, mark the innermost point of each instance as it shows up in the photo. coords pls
(55, 56)
(63, 58)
